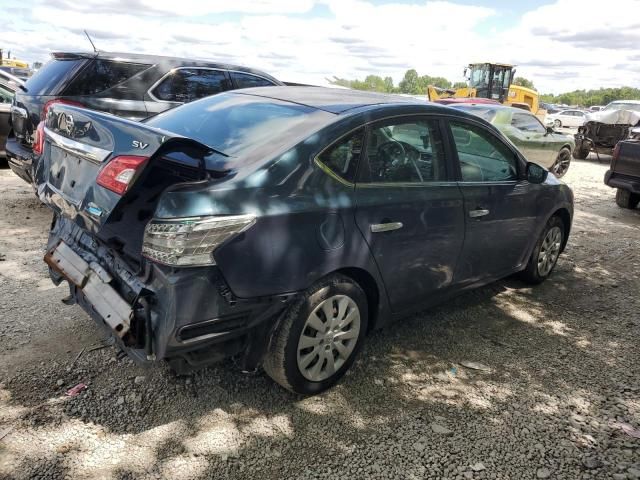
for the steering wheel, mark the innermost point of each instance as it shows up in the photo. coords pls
(395, 153)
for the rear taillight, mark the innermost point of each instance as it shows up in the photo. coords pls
(62, 101)
(119, 173)
(38, 139)
(191, 241)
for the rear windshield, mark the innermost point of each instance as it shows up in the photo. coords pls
(52, 76)
(232, 123)
(486, 113)
(100, 75)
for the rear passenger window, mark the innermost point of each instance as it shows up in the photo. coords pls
(483, 158)
(189, 84)
(405, 152)
(342, 158)
(100, 75)
(246, 80)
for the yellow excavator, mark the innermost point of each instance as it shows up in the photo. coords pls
(492, 81)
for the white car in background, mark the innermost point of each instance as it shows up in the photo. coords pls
(567, 118)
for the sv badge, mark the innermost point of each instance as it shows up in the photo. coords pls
(139, 144)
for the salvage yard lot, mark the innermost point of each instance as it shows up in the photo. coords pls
(563, 379)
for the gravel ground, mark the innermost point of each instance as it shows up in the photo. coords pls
(562, 378)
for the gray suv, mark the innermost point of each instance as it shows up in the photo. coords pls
(128, 85)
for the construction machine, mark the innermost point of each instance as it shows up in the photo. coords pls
(492, 81)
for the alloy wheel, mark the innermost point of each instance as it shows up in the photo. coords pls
(557, 123)
(549, 251)
(329, 336)
(562, 163)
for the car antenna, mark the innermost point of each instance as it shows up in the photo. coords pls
(91, 41)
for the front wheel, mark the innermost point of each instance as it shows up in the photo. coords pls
(318, 337)
(546, 252)
(626, 199)
(557, 123)
(562, 163)
(580, 153)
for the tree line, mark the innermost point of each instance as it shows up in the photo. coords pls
(586, 98)
(414, 84)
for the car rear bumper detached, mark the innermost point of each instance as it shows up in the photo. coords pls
(187, 316)
(20, 159)
(625, 182)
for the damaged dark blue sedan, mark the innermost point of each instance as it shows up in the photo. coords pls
(280, 225)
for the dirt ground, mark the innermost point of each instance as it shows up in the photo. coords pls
(559, 400)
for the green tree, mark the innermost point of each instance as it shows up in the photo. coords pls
(523, 82)
(460, 85)
(410, 83)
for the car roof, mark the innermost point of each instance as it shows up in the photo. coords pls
(333, 100)
(625, 101)
(167, 61)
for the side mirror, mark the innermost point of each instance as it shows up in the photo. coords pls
(536, 173)
(550, 130)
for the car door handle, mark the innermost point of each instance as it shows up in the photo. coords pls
(478, 213)
(386, 227)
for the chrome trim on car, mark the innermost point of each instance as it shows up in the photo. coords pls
(95, 154)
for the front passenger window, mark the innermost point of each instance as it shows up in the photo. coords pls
(483, 157)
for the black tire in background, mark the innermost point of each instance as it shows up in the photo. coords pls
(580, 153)
(626, 199)
(533, 273)
(281, 361)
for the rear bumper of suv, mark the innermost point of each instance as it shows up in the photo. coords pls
(185, 315)
(20, 160)
(626, 182)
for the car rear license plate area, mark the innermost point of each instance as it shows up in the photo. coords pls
(93, 281)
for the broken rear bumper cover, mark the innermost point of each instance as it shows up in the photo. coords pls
(185, 315)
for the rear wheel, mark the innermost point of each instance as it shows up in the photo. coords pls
(626, 199)
(318, 337)
(557, 123)
(546, 252)
(562, 163)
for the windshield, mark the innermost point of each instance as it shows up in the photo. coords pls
(479, 76)
(233, 123)
(623, 106)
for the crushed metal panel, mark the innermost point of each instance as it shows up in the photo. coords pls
(103, 297)
(69, 263)
(106, 301)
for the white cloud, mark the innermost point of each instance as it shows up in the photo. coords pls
(562, 46)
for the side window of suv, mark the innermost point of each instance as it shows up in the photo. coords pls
(188, 84)
(405, 152)
(342, 158)
(483, 157)
(246, 80)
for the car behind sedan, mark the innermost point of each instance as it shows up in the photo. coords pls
(280, 225)
(538, 143)
(133, 86)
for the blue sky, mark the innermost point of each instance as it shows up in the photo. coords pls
(559, 44)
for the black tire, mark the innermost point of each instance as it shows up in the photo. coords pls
(557, 123)
(281, 359)
(626, 199)
(531, 273)
(562, 163)
(580, 153)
